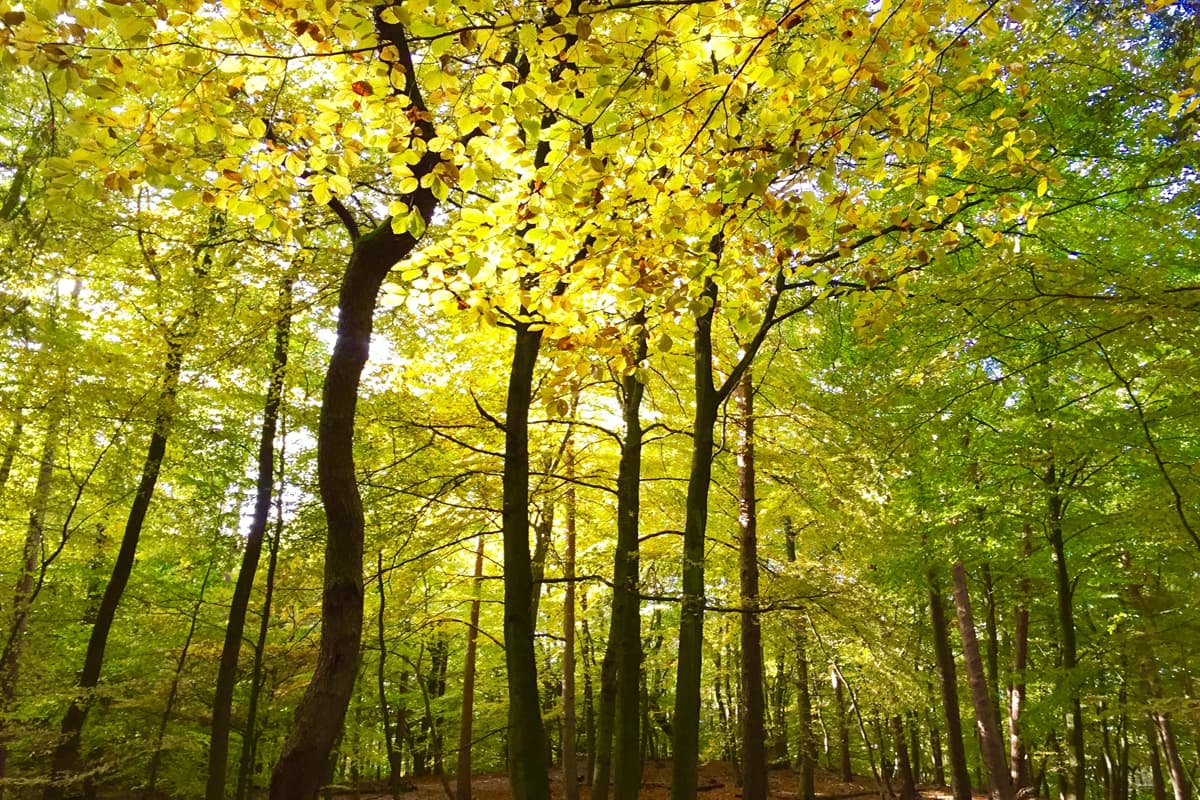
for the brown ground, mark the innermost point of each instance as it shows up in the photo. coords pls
(716, 783)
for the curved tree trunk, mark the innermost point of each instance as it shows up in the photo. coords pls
(981, 694)
(318, 718)
(67, 760)
(222, 708)
(754, 735)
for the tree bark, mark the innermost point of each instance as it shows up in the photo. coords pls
(23, 591)
(985, 715)
(753, 726)
(627, 619)
(10, 450)
(1018, 761)
(908, 781)
(806, 750)
(1076, 752)
(299, 773)
(569, 752)
(463, 773)
(1180, 781)
(527, 767)
(960, 778)
(67, 759)
(686, 719)
(257, 678)
(843, 726)
(222, 708)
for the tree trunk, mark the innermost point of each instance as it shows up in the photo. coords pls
(686, 719)
(1018, 761)
(960, 778)
(935, 751)
(318, 717)
(257, 678)
(843, 726)
(569, 753)
(10, 450)
(389, 737)
(991, 641)
(992, 745)
(23, 591)
(222, 709)
(526, 735)
(1158, 784)
(908, 779)
(589, 710)
(1076, 753)
(1180, 780)
(152, 781)
(463, 773)
(626, 618)
(753, 726)
(67, 759)
(806, 750)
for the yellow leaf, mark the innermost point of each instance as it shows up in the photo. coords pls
(321, 193)
(1042, 186)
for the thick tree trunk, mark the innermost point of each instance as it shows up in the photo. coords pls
(1076, 752)
(222, 709)
(686, 719)
(569, 751)
(527, 767)
(992, 745)
(156, 760)
(960, 778)
(67, 760)
(627, 619)
(753, 726)
(463, 773)
(1158, 783)
(318, 718)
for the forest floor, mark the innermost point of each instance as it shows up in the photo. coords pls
(717, 782)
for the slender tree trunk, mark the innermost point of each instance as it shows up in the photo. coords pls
(156, 760)
(686, 719)
(389, 737)
(526, 735)
(10, 450)
(806, 750)
(627, 619)
(570, 754)
(753, 726)
(935, 751)
(222, 709)
(1018, 761)
(257, 677)
(914, 745)
(843, 726)
(991, 641)
(908, 779)
(1180, 781)
(589, 711)
(991, 742)
(463, 773)
(319, 716)
(67, 759)
(1158, 784)
(1076, 753)
(23, 591)
(960, 778)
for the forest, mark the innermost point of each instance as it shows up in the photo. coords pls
(600, 398)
